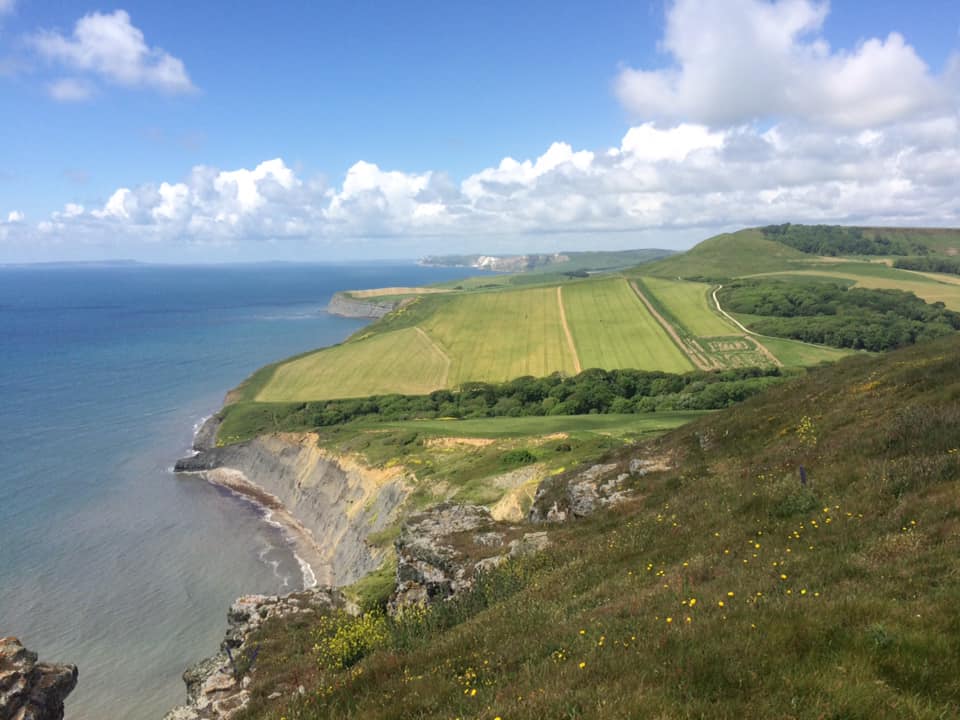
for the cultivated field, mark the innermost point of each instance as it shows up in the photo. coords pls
(400, 361)
(499, 336)
(380, 292)
(689, 305)
(613, 329)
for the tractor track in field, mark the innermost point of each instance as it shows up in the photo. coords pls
(566, 330)
(699, 361)
(435, 346)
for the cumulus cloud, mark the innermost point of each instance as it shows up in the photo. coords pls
(655, 179)
(743, 60)
(15, 216)
(866, 136)
(108, 46)
(69, 90)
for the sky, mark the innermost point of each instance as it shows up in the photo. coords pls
(214, 131)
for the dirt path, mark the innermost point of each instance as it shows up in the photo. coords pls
(433, 344)
(670, 330)
(566, 330)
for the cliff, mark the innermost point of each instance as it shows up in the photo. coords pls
(329, 505)
(345, 306)
(31, 690)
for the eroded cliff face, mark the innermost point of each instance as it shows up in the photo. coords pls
(330, 505)
(346, 306)
(31, 690)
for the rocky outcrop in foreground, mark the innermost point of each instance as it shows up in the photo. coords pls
(31, 690)
(441, 551)
(584, 492)
(217, 686)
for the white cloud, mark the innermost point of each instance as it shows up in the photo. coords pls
(742, 60)
(15, 216)
(70, 90)
(109, 46)
(858, 137)
(654, 180)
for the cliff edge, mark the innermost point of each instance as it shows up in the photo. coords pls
(31, 690)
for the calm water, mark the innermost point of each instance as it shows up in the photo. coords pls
(107, 560)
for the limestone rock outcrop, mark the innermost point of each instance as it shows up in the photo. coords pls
(217, 687)
(32, 690)
(441, 551)
(584, 492)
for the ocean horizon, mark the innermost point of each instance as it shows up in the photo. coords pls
(107, 559)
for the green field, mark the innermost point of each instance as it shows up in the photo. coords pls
(793, 353)
(403, 361)
(500, 336)
(615, 425)
(612, 329)
(689, 304)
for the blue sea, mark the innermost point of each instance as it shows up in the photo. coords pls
(107, 559)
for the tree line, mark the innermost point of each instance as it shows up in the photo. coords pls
(593, 391)
(929, 263)
(830, 314)
(832, 240)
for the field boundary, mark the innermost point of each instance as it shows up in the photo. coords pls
(566, 330)
(446, 358)
(694, 357)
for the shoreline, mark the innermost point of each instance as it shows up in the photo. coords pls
(301, 542)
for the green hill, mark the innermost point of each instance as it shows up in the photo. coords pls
(726, 256)
(722, 588)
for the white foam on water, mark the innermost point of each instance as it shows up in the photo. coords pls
(309, 578)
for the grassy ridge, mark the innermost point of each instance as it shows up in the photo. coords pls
(612, 329)
(725, 589)
(728, 255)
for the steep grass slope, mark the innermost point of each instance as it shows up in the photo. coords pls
(728, 255)
(724, 589)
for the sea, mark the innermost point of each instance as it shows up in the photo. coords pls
(107, 559)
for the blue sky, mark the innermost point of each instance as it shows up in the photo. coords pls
(435, 93)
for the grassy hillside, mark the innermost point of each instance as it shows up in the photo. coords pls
(724, 589)
(728, 255)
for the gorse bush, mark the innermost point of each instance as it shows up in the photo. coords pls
(343, 639)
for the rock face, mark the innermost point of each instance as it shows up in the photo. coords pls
(582, 493)
(217, 686)
(31, 690)
(441, 551)
(329, 504)
(345, 306)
